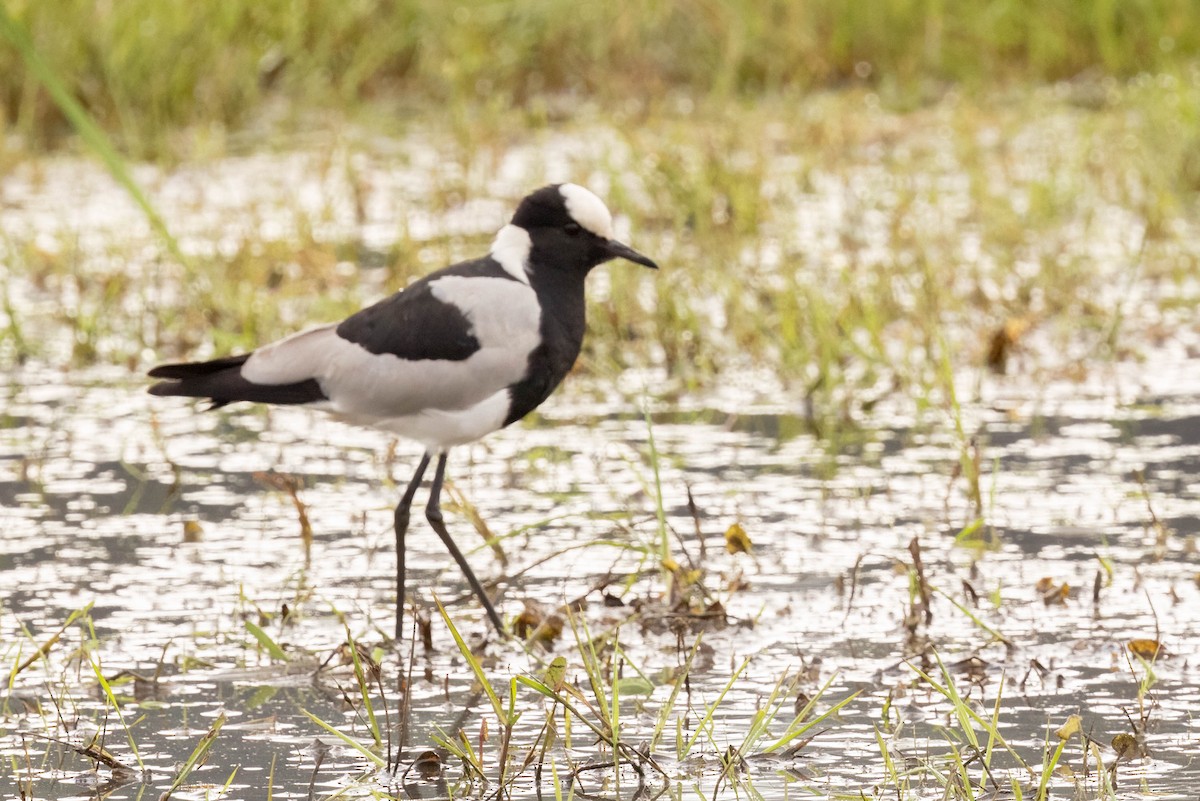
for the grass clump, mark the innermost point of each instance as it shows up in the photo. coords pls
(147, 70)
(849, 252)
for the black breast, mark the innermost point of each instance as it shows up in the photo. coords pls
(563, 323)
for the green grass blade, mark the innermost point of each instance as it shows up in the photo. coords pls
(711, 710)
(540, 687)
(196, 758)
(269, 645)
(1048, 773)
(477, 668)
(797, 729)
(91, 133)
(364, 689)
(661, 723)
(112, 699)
(971, 615)
(347, 739)
(591, 665)
(664, 542)
(965, 709)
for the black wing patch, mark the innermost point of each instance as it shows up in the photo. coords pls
(414, 325)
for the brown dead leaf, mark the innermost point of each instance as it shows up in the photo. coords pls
(95, 751)
(1002, 342)
(1052, 592)
(549, 631)
(737, 540)
(1126, 746)
(1146, 649)
(428, 765)
(612, 601)
(1068, 729)
(526, 622)
(537, 625)
(192, 531)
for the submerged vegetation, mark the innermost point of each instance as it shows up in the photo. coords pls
(881, 488)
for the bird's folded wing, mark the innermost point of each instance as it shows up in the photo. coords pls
(445, 343)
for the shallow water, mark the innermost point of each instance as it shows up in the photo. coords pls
(157, 518)
(97, 481)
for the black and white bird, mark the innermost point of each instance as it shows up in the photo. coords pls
(456, 355)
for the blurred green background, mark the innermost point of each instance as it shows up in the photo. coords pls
(143, 68)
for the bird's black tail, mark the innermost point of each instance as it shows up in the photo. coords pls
(221, 381)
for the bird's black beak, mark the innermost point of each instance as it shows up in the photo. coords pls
(619, 250)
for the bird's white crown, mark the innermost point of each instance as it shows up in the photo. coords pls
(587, 210)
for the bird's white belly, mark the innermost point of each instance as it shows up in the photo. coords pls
(439, 429)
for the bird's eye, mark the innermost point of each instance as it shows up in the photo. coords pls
(572, 229)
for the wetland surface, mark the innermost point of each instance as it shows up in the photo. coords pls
(1055, 510)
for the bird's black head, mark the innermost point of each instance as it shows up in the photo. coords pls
(571, 227)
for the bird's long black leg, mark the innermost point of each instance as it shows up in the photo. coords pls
(433, 513)
(401, 528)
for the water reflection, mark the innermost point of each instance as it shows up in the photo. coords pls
(171, 536)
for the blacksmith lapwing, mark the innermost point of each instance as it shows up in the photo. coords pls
(455, 355)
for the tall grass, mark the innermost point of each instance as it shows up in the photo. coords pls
(146, 68)
(83, 124)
